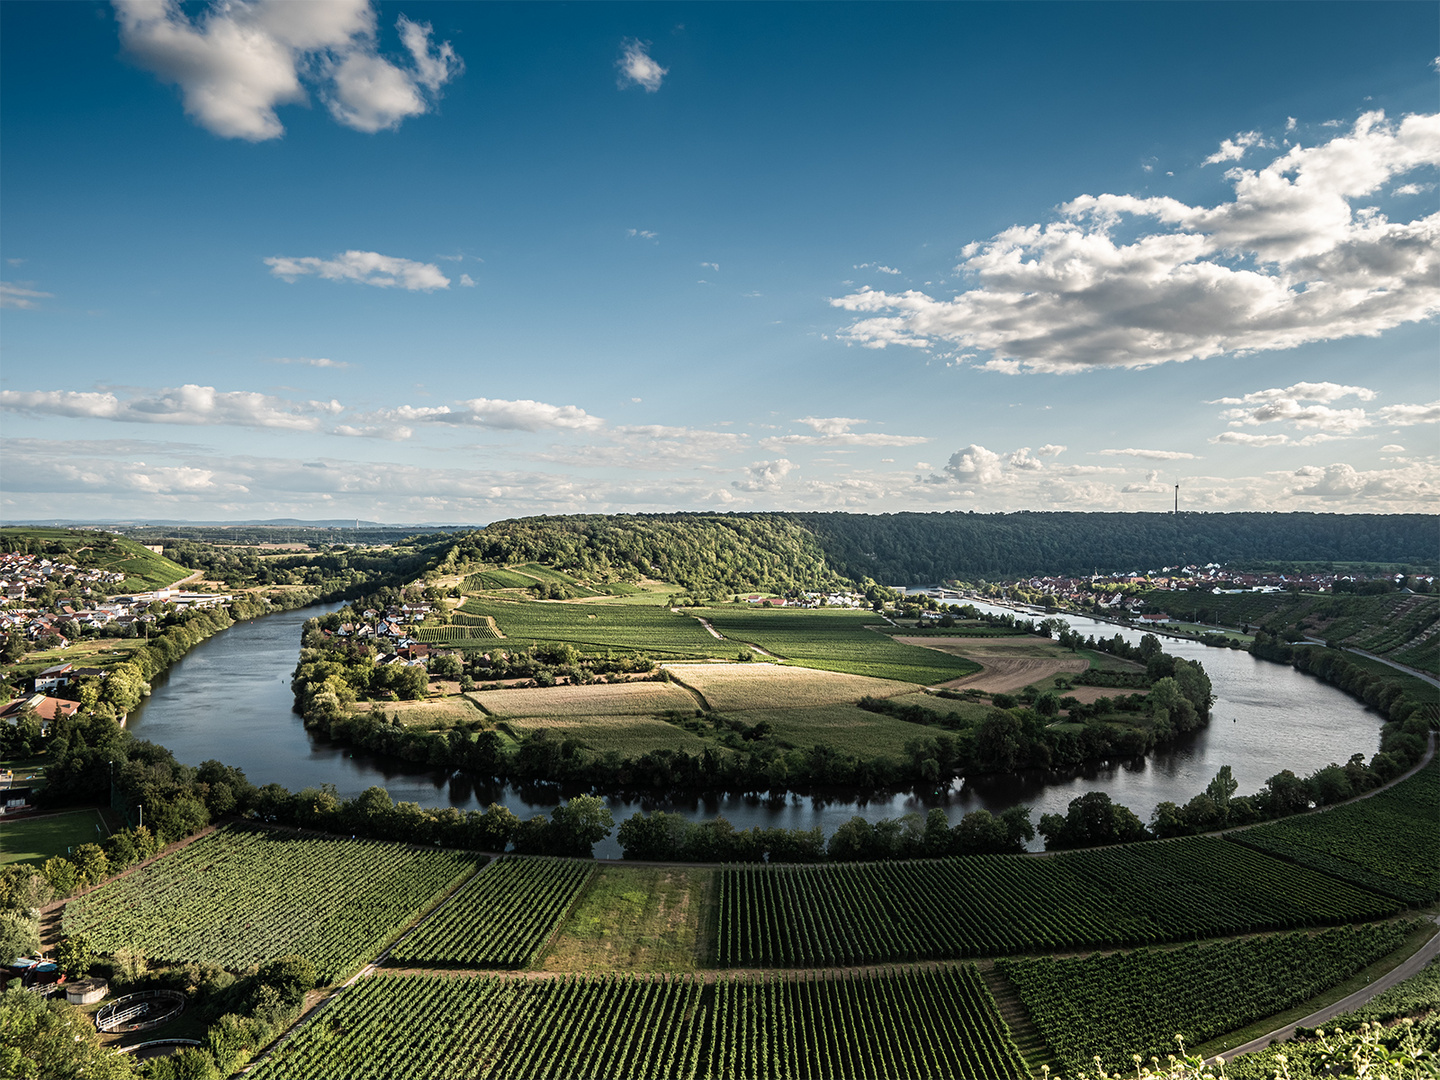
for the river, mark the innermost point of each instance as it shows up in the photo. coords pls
(229, 699)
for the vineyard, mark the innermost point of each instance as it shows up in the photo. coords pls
(865, 913)
(502, 916)
(1115, 1005)
(653, 630)
(458, 636)
(1385, 843)
(932, 1023)
(242, 896)
(929, 1022)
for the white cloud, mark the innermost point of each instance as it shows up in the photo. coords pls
(1153, 485)
(366, 267)
(843, 438)
(1413, 189)
(976, 465)
(15, 295)
(1303, 391)
(643, 234)
(1405, 415)
(831, 425)
(1152, 455)
(1341, 481)
(240, 59)
(636, 67)
(1247, 438)
(711, 266)
(1286, 262)
(1392, 448)
(1234, 149)
(495, 413)
(310, 361)
(467, 281)
(1051, 450)
(764, 475)
(189, 404)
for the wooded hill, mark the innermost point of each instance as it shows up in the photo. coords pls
(734, 552)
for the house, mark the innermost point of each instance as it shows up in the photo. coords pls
(54, 677)
(47, 708)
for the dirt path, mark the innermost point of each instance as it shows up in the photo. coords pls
(710, 629)
(1000, 673)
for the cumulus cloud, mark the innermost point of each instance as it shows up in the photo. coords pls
(1248, 438)
(1343, 482)
(764, 475)
(1405, 415)
(831, 425)
(1234, 149)
(189, 404)
(310, 361)
(1051, 450)
(1152, 455)
(843, 438)
(1306, 405)
(240, 59)
(366, 267)
(637, 68)
(1152, 485)
(1127, 281)
(15, 295)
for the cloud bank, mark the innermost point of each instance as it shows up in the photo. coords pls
(1126, 281)
(366, 267)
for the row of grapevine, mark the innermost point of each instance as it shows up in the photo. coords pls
(993, 905)
(1116, 1005)
(498, 1028)
(1385, 843)
(931, 1022)
(242, 896)
(939, 1022)
(454, 635)
(501, 917)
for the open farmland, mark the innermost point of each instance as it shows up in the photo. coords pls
(636, 918)
(596, 699)
(243, 896)
(433, 713)
(628, 736)
(1009, 664)
(653, 630)
(743, 687)
(835, 639)
(845, 728)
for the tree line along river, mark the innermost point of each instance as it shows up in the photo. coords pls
(229, 699)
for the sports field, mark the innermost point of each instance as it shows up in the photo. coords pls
(37, 839)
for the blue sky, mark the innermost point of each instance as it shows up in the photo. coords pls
(459, 262)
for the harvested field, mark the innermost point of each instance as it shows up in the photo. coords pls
(745, 687)
(1009, 664)
(434, 713)
(595, 700)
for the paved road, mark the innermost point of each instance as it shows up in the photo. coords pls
(1422, 956)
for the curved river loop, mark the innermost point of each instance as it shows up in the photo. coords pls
(229, 699)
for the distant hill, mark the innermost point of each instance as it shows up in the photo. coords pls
(143, 569)
(733, 552)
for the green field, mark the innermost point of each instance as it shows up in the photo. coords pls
(846, 728)
(593, 627)
(37, 839)
(628, 736)
(836, 639)
(636, 918)
(596, 699)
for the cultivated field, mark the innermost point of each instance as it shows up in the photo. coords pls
(597, 627)
(596, 699)
(433, 713)
(628, 736)
(242, 896)
(745, 687)
(1008, 664)
(846, 728)
(834, 639)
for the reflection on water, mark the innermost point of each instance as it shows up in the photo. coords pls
(229, 699)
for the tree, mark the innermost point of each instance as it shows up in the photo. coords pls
(46, 1039)
(19, 935)
(580, 824)
(74, 955)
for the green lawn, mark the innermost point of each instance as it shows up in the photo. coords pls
(37, 839)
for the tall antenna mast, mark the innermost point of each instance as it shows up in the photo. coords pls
(1177, 500)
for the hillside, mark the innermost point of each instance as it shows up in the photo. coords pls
(732, 552)
(143, 568)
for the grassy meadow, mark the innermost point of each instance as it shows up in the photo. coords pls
(37, 839)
